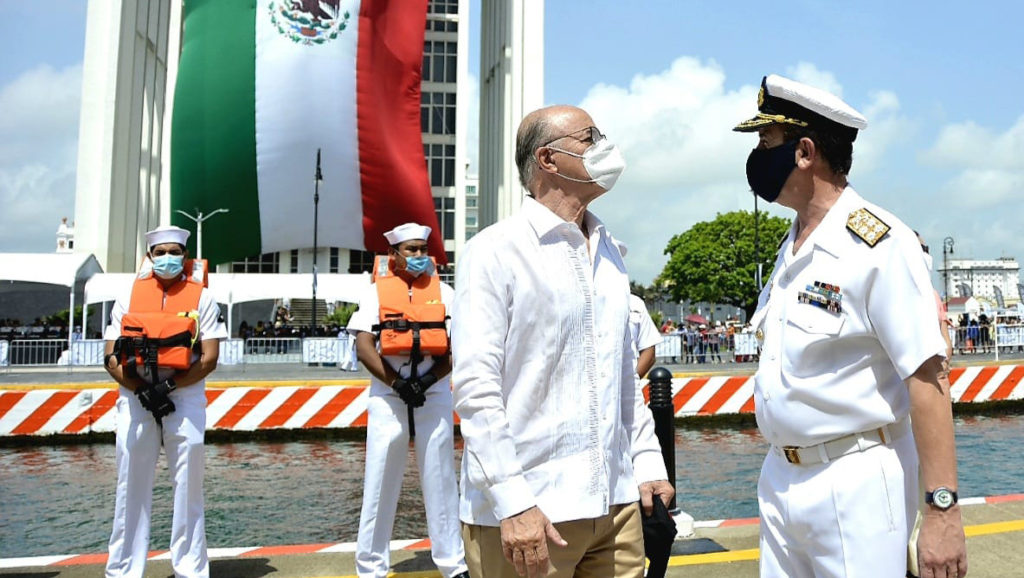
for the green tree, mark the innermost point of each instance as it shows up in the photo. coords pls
(714, 261)
(341, 314)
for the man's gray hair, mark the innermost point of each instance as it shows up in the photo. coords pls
(533, 134)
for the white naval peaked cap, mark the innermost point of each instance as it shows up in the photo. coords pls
(407, 232)
(785, 101)
(167, 234)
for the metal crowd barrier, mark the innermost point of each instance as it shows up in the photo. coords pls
(273, 350)
(338, 350)
(35, 352)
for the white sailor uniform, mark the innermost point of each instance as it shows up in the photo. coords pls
(842, 325)
(387, 443)
(138, 440)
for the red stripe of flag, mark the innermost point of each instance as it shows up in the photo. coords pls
(9, 400)
(724, 393)
(689, 390)
(393, 170)
(242, 408)
(979, 382)
(95, 411)
(334, 407)
(287, 409)
(44, 413)
(1006, 388)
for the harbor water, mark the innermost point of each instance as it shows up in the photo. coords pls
(59, 500)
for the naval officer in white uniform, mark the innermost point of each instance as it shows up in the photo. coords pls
(850, 360)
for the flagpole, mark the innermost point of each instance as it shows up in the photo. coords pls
(316, 206)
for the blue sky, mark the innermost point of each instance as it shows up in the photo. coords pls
(941, 83)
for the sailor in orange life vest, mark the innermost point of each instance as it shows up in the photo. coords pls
(412, 303)
(168, 307)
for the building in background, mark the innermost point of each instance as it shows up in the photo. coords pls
(982, 279)
(129, 73)
(511, 85)
(472, 212)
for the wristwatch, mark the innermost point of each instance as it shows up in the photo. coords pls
(942, 498)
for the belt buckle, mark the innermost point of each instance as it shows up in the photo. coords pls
(792, 454)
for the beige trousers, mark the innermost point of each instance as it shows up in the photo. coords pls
(611, 546)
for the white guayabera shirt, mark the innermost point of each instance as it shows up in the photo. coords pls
(544, 380)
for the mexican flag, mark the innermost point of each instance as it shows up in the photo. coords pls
(262, 86)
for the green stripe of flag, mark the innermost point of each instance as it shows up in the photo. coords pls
(213, 134)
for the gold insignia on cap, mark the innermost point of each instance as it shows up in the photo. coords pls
(867, 226)
(760, 97)
(759, 335)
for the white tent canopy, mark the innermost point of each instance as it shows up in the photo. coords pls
(67, 269)
(231, 288)
(51, 268)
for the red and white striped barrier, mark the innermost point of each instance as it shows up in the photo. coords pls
(262, 406)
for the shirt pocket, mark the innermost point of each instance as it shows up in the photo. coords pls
(815, 321)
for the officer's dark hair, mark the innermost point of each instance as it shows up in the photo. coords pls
(835, 149)
(531, 136)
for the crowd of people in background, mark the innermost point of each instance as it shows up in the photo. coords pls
(703, 342)
(11, 329)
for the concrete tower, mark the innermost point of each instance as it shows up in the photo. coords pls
(511, 85)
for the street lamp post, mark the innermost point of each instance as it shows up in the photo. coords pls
(947, 249)
(318, 176)
(199, 217)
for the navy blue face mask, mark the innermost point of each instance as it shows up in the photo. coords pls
(768, 169)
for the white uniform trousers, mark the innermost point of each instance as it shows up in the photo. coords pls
(387, 446)
(138, 448)
(846, 518)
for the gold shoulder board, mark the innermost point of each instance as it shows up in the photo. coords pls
(867, 226)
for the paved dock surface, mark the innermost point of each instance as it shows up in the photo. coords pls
(995, 548)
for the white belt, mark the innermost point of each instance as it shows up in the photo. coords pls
(825, 452)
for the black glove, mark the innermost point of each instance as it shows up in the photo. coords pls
(427, 380)
(155, 397)
(410, 391)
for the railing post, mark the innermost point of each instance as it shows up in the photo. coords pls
(663, 411)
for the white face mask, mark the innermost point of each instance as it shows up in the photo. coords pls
(602, 160)
(928, 262)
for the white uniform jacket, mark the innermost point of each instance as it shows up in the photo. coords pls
(842, 324)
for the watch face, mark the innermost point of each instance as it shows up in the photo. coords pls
(942, 498)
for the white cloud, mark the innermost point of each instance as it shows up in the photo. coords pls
(988, 165)
(38, 152)
(685, 162)
(808, 73)
(887, 126)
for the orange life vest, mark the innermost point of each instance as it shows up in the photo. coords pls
(410, 314)
(160, 327)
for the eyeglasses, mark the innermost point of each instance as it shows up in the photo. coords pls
(592, 136)
(924, 248)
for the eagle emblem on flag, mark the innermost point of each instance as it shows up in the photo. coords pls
(309, 22)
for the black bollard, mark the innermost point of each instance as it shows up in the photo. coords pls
(664, 425)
